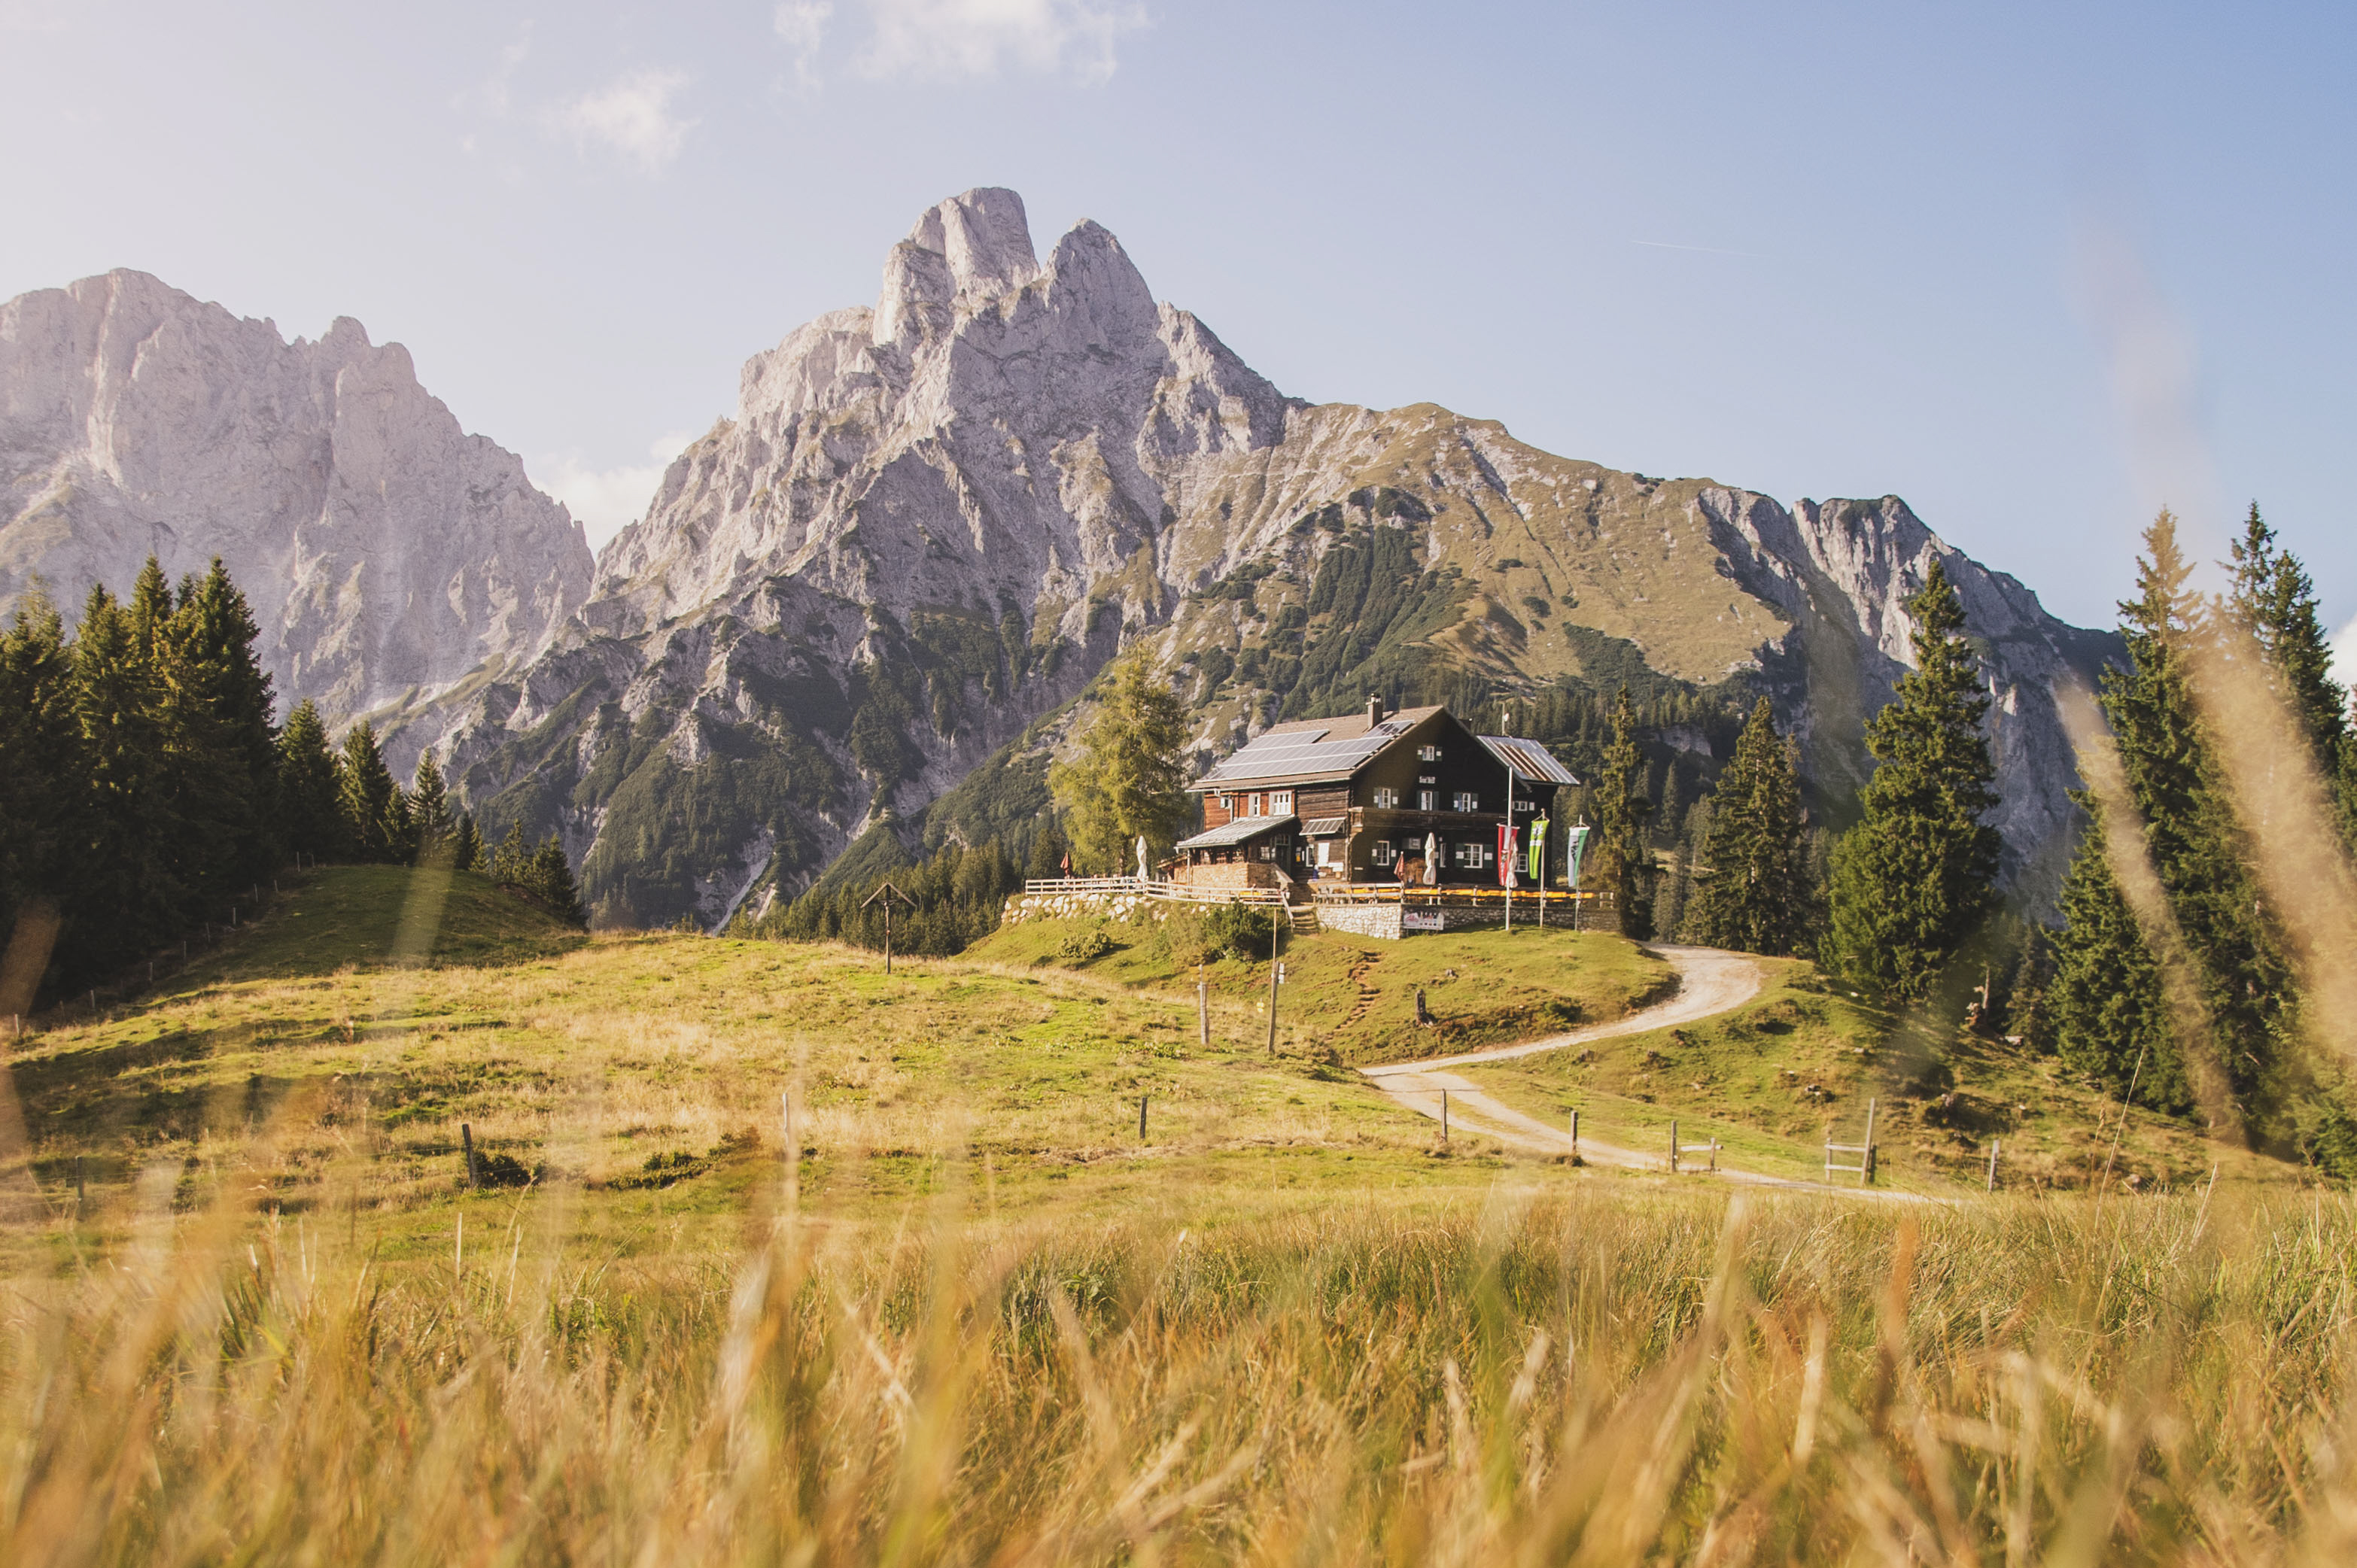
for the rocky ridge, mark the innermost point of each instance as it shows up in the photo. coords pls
(388, 555)
(931, 523)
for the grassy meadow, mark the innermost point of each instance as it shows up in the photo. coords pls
(253, 1313)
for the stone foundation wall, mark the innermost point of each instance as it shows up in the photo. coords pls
(1230, 874)
(1389, 921)
(1128, 908)
(1360, 919)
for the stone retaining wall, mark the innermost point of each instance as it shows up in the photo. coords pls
(1385, 920)
(1122, 906)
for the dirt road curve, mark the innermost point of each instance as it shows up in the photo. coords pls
(1710, 982)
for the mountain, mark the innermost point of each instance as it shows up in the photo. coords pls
(931, 523)
(387, 553)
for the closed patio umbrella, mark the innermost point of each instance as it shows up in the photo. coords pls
(1431, 860)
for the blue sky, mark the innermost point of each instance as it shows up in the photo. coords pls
(2036, 268)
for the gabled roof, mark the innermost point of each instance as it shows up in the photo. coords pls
(1529, 759)
(1312, 749)
(1234, 832)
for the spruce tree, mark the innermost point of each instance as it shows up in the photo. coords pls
(2273, 602)
(42, 799)
(429, 813)
(2198, 844)
(218, 734)
(309, 790)
(2104, 1003)
(551, 877)
(1752, 893)
(375, 819)
(467, 845)
(1130, 780)
(511, 863)
(1912, 879)
(1623, 861)
(127, 895)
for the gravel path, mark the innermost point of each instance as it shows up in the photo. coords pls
(1710, 982)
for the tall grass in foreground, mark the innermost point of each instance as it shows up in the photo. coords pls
(1585, 1379)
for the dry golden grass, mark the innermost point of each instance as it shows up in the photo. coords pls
(1597, 1376)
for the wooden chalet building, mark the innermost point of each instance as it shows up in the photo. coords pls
(1356, 800)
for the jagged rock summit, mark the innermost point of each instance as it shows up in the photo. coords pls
(387, 554)
(930, 523)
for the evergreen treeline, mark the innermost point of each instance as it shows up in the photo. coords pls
(2224, 1040)
(145, 789)
(958, 894)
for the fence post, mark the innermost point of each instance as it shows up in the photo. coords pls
(1992, 1174)
(1673, 1145)
(1575, 1134)
(466, 1144)
(1866, 1161)
(1202, 1009)
(1444, 1115)
(1141, 1118)
(81, 1195)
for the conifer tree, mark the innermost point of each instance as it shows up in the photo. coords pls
(375, 816)
(467, 845)
(309, 790)
(217, 737)
(2199, 847)
(126, 895)
(42, 801)
(1753, 894)
(2273, 602)
(1130, 780)
(1911, 880)
(511, 862)
(2105, 1003)
(551, 877)
(1623, 863)
(429, 813)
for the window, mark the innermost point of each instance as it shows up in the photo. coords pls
(1280, 803)
(1228, 805)
(1386, 798)
(1268, 851)
(1466, 800)
(1427, 800)
(1427, 753)
(1383, 850)
(1472, 855)
(1252, 806)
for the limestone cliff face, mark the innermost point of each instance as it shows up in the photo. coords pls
(386, 554)
(931, 523)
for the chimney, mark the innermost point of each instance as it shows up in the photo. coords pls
(1375, 711)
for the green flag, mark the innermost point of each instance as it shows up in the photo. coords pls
(1538, 850)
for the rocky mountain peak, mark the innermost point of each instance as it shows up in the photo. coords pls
(386, 553)
(975, 246)
(928, 525)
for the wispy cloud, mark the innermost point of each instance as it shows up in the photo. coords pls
(607, 501)
(630, 117)
(947, 38)
(801, 26)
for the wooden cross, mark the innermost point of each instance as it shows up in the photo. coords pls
(887, 893)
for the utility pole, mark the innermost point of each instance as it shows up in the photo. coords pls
(1275, 973)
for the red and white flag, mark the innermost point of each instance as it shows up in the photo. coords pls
(1507, 834)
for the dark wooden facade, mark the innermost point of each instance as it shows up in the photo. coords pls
(1436, 779)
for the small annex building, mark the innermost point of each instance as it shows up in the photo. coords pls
(1357, 799)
